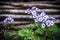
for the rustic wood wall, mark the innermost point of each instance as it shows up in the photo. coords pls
(16, 10)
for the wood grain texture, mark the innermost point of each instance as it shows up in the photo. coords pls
(25, 16)
(23, 11)
(46, 4)
(17, 11)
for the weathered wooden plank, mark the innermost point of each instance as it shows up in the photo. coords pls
(21, 26)
(57, 21)
(48, 13)
(23, 11)
(36, 2)
(46, 2)
(30, 4)
(18, 19)
(21, 22)
(24, 16)
(20, 7)
(18, 22)
(9, 7)
(43, 2)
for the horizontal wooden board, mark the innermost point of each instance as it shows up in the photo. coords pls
(19, 22)
(23, 11)
(25, 16)
(21, 19)
(9, 7)
(22, 7)
(30, 4)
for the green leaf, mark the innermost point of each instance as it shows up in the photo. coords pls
(39, 24)
(30, 26)
(9, 34)
(53, 29)
(24, 32)
(21, 32)
(40, 31)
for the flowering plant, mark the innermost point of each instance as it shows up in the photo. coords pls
(5, 22)
(43, 28)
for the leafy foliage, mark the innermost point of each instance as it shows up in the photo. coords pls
(43, 29)
(35, 32)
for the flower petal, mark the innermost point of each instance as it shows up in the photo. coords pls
(36, 20)
(48, 23)
(43, 25)
(42, 13)
(45, 17)
(28, 11)
(33, 8)
(12, 20)
(40, 19)
(5, 21)
(34, 12)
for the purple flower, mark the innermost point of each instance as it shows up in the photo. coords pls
(49, 23)
(28, 11)
(33, 8)
(12, 20)
(51, 18)
(42, 13)
(52, 22)
(40, 19)
(5, 21)
(36, 20)
(34, 16)
(45, 18)
(43, 25)
(8, 18)
(34, 12)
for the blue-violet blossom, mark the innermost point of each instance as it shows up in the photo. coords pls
(42, 17)
(8, 18)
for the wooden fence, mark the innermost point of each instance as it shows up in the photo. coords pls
(21, 19)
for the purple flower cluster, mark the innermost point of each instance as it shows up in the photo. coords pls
(8, 18)
(42, 17)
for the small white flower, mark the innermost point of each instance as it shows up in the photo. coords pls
(45, 17)
(9, 18)
(52, 18)
(28, 11)
(33, 8)
(43, 25)
(37, 9)
(36, 20)
(48, 23)
(34, 17)
(40, 19)
(52, 23)
(34, 12)
(12, 20)
(42, 13)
